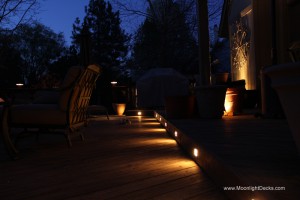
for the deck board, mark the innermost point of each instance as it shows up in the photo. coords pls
(259, 152)
(116, 161)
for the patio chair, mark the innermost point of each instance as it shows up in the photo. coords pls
(65, 108)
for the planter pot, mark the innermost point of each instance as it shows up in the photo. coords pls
(286, 81)
(234, 100)
(236, 93)
(180, 106)
(119, 108)
(210, 101)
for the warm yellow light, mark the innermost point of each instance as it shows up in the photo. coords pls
(19, 84)
(139, 113)
(166, 124)
(150, 123)
(230, 101)
(156, 115)
(156, 142)
(176, 134)
(228, 107)
(160, 119)
(196, 152)
(156, 130)
(119, 108)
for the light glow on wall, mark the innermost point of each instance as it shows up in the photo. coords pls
(242, 51)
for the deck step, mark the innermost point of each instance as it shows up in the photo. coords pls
(242, 152)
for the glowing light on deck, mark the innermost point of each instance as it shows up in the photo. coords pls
(19, 84)
(157, 142)
(196, 152)
(166, 124)
(157, 130)
(175, 133)
(150, 123)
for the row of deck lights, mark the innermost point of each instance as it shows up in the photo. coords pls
(175, 134)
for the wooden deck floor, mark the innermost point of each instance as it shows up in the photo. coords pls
(116, 161)
(244, 151)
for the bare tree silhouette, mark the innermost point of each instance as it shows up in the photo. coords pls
(15, 12)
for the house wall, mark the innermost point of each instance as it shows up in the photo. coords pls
(288, 17)
(260, 35)
(263, 40)
(286, 30)
(294, 19)
(241, 43)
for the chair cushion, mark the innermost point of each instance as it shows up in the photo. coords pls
(37, 114)
(46, 97)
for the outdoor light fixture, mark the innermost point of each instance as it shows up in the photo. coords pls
(166, 124)
(19, 84)
(156, 115)
(196, 152)
(114, 83)
(160, 119)
(139, 113)
(175, 133)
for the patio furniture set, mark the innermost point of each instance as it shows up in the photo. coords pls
(58, 109)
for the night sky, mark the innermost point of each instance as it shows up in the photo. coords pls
(59, 15)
